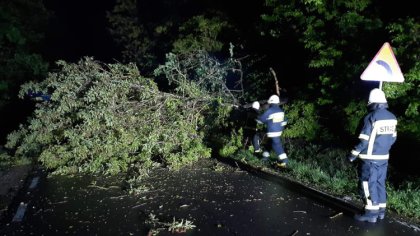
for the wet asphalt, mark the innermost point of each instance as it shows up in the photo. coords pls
(217, 201)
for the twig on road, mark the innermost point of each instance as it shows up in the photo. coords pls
(335, 215)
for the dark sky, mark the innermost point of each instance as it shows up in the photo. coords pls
(79, 28)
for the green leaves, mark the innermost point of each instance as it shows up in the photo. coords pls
(303, 121)
(13, 35)
(197, 75)
(107, 118)
(21, 29)
(200, 33)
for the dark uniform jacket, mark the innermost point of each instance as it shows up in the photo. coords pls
(274, 119)
(378, 134)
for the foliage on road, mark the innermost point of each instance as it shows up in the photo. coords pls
(175, 226)
(107, 118)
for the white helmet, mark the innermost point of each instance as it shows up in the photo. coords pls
(274, 99)
(256, 105)
(377, 96)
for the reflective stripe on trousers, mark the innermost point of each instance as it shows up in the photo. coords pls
(372, 179)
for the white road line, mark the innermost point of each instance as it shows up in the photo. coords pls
(34, 183)
(20, 213)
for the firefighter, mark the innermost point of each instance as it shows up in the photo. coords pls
(256, 136)
(251, 127)
(376, 138)
(275, 120)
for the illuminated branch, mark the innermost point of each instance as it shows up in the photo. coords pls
(276, 81)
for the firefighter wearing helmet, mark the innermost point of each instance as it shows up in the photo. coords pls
(275, 121)
(377, 136)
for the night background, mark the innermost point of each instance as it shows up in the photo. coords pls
(79, 28)
(129, 70)
(70, 30)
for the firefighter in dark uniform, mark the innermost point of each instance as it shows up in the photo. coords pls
(275, 120)
(251, 127)
(376, 138)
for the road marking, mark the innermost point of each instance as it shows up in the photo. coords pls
(34, 183)
(20, 213)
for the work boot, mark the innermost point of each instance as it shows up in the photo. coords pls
(381, 214)
(280, 165)
(369, 216)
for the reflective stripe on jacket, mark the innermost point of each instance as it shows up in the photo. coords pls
(378, 134)
(275, 120)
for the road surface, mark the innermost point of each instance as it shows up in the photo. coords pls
(216, 198)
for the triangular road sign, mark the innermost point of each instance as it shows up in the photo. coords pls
(383, 67)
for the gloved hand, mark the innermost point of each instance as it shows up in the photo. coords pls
(351, 157)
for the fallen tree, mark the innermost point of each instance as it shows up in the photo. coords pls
(107, 118)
